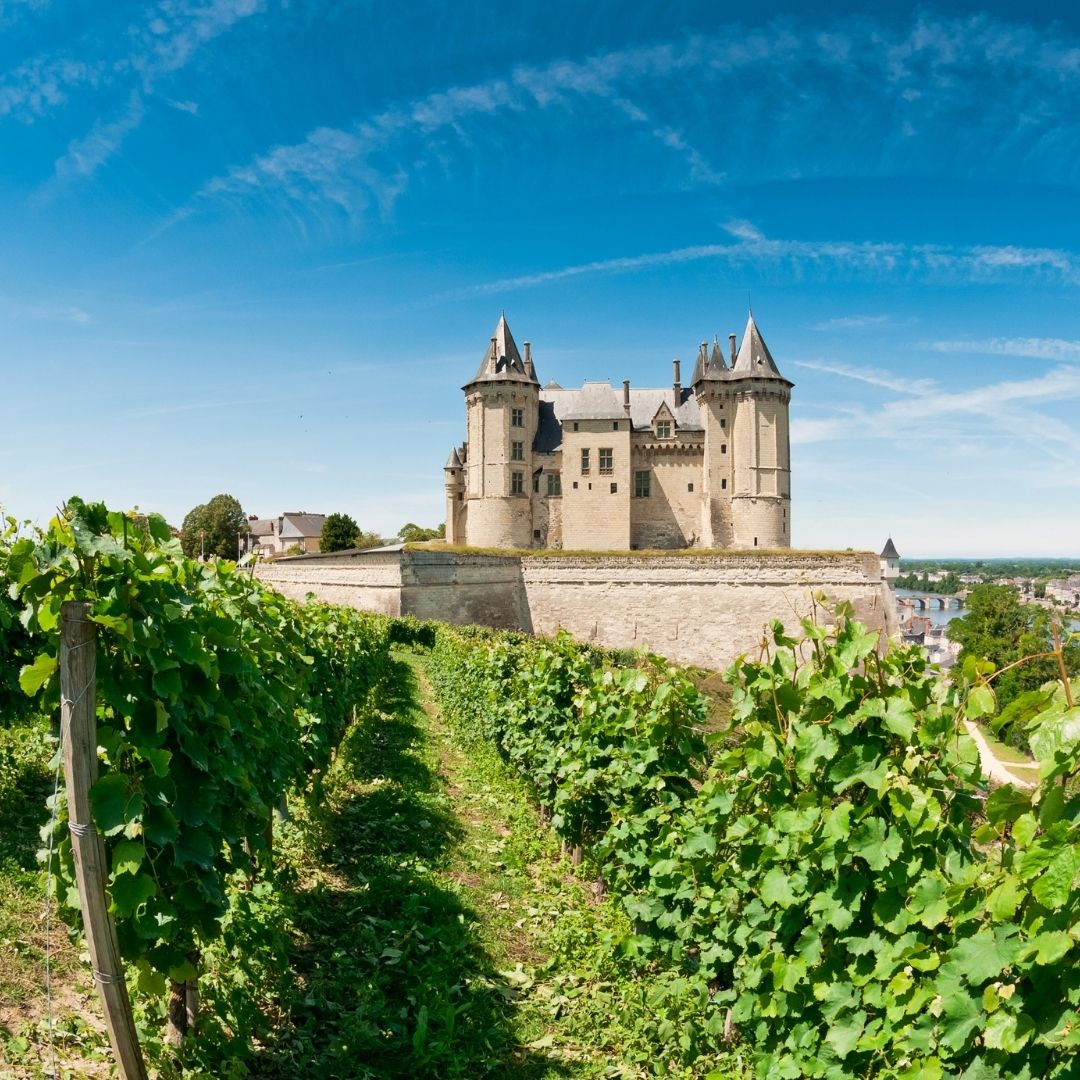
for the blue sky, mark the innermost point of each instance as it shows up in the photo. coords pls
(257, 247)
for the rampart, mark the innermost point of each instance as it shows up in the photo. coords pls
(695, 609)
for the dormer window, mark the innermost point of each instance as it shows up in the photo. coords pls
(663, 429)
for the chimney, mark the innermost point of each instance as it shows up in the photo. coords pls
(528, 359)
(677, 381)
(731, 343)
(626, 395)
(494, 359)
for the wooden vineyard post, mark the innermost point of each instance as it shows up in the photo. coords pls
(78, 733)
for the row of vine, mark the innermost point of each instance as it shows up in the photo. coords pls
(830, 874)
(215, 698)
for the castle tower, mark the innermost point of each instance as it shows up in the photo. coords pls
(454, 483)
(716, 402)
(761, 501)
(746, 480)
(502, 404)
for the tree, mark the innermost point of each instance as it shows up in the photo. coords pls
(213, 529)
(339, 532)
(412, 534)
(999, 628)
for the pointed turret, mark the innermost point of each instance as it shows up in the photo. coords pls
(453, 461)
(502, 361)
(709, 365)
(889, 550)
(754, 357)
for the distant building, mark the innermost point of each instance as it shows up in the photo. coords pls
(1065, 590)
(890, 563)
(274, 536)
(705, 465)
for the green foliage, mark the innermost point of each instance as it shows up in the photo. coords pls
(339, 533)
(15, 646)
(412, 534)
(999, 628)
(830, 875)
(947, 585)
(215, 697)
(213, 529)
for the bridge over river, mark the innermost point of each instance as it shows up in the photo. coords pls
(932, 601)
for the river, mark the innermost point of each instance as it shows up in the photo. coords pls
(942, 618)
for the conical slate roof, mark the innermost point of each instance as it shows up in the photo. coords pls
(453, 461)
(889, 550)
(754, 357)
(712, 368)
(502, 361)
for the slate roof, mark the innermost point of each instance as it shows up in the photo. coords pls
(306, 524)
(502, 362)
(260, 527)
(889, 550)
(753, 360)
(602, 401)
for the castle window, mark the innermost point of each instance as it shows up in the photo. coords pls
(723, 484)
(723, 448)
(689, 487)
(575, 485)
(517, 417)
(554, 484)
(575, 425)
(536, 483)
(663, 429)
(517, 451)
(723, 421)
(585, 461)
(642, 485)
(615, 425)
(614, 489)
(606, 459)
(517, 483)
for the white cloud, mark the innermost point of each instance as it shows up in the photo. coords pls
(900, 82)
(852, 322)
(914, 387)
(1038, 348)
(824, 259)
(86, 155)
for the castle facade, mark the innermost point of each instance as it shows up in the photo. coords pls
(706, 465)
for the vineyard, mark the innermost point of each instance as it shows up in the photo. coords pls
(342, 845)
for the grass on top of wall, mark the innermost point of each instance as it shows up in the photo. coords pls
(642, 553)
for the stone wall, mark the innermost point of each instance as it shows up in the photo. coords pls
(695, 609)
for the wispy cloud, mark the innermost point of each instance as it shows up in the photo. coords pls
(899, 384)
(852, 322)
(162, 44)
(1038, 348)
(921, 411)
(207, 405)
(898, 97)
(86, 155)
(864, 260)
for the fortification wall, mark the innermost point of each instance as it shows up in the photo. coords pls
(694, 609)
(370, 582)
(702, 610)
(464, 589)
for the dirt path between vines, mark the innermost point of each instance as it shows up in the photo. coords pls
(996, 770)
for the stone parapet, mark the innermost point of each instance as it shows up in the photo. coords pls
(695, 609)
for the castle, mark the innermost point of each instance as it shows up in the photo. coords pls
(707, 465)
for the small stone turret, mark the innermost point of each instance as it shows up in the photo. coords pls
(890, 563)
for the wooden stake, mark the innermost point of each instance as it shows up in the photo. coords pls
(78, 730)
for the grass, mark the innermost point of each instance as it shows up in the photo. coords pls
(431, 928)
(25, 782)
